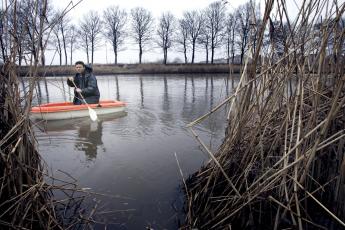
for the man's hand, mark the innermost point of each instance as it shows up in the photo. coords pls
(78, 90)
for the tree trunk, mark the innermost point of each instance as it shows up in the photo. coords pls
(212, 51)
(71, 53)
(193, 52)
(228, 51)
(242, 54)
(115, 53)
(185, 53)
(87, 55)
(92, 51)
(140, 52)
(165, 52)
(3, 50)
(64, 45)
(20, 55)
(43, 59)
(60, 55)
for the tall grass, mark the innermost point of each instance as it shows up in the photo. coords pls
(281, 163)
(26, 199)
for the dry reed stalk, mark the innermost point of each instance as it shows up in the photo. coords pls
(285, 128)
(185, 186)
(26, 199)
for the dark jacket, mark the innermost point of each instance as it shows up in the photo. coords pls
(87, 82)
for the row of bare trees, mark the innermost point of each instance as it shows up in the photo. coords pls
(196, 28)
(213, 30)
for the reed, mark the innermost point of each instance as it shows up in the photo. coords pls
(281, 163)
(26, 198)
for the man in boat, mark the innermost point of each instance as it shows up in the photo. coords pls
(85, 84)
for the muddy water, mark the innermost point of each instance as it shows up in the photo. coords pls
(131, 156)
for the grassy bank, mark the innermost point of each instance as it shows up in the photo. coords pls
(104, 69)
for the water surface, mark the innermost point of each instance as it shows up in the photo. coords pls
(132, 156)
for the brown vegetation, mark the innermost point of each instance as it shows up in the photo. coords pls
(26, 198)
(281, 165)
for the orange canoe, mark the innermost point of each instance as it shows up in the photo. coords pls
(66, 110)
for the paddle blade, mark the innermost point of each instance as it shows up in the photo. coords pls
(93, 114)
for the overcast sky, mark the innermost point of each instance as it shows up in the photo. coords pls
(177, 7)
(105, 55)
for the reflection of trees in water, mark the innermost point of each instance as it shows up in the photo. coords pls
(193, 90)
(71, 93)
(167, 117)
(117, 88)
(185, 90)
(141, 91)
(211, 95)
(184, 104)
(195, 105)
(90, 138)
(23, 85)
(166, 103)
(227, 88)
(39, 92)
(206, 87)
(46, 87)
(188, 108)
(64, 90)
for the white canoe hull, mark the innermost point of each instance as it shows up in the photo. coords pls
(61, 115)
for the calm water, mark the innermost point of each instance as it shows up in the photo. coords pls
(131, 156)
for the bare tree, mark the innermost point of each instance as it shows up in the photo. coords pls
(63, 27)
(71, 40)
(142, 24)
(90, 28)
(20, 32)
(60, 32)
(214, 23)
(57, 42)
(204, 39)
(84, 40)
(248, 23)
(165, 32)
(277, 38)
(115, 20)
(182, 38)
(230, 26)
(193, 20)
(29, 8)
(243, 17)
(3, 35)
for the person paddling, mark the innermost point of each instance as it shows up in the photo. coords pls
(85, 83)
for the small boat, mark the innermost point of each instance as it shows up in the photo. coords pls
(67, 110)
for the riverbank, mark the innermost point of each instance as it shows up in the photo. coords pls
(106, 69)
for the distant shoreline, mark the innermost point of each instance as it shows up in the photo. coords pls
(107, 69)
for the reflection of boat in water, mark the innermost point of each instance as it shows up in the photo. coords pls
(66, 110)
(76, 123)
(85, 133)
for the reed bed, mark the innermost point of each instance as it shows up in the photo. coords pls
(27, 200)
(27, 190)
(24, 196)
(281, 163)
